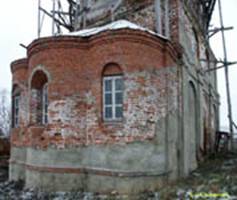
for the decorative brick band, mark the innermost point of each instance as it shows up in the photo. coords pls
(92, 171)
(108, 36)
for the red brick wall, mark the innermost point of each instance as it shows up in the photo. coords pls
(74, 67)
(20, 70)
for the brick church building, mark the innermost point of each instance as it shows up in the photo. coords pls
(127, 104)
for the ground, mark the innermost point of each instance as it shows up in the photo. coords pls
(216, 178)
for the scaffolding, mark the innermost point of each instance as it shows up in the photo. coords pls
(73, 15)
(226, 65)
(223, 63)
(65, 14)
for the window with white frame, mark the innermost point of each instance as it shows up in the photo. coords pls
(16, 101)
(39, 98)
(113, 98)
(45, 104)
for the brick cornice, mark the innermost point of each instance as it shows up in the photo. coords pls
(103, 38)
(19, 64)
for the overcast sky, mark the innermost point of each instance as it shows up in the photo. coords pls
(18, 24)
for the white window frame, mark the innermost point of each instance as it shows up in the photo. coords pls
(16, 111)
(113, 92)
(45, 104)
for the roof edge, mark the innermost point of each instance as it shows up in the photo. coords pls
(19, 63)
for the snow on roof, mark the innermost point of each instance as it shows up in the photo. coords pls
(120, 24)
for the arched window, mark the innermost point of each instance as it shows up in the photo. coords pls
(39, 98)
(113, 87)
(15, 106)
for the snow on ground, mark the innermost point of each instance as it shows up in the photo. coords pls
(120, 24)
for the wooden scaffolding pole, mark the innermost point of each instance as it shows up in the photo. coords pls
(226, 77)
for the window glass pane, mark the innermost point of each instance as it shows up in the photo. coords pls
(119, 98)
(108, 85)
(46, 109)
(119, 84)
(108, 112)
(108, 99)
(46, 119)
(16, 122)
(16, 111)
(113, 97)
(46, 99)
(45, 105)
(46, 94)
(17, 102)
(119, 112)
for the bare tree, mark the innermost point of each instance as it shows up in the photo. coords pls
(5, 113)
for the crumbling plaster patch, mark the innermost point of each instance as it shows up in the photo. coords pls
(145, 102)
